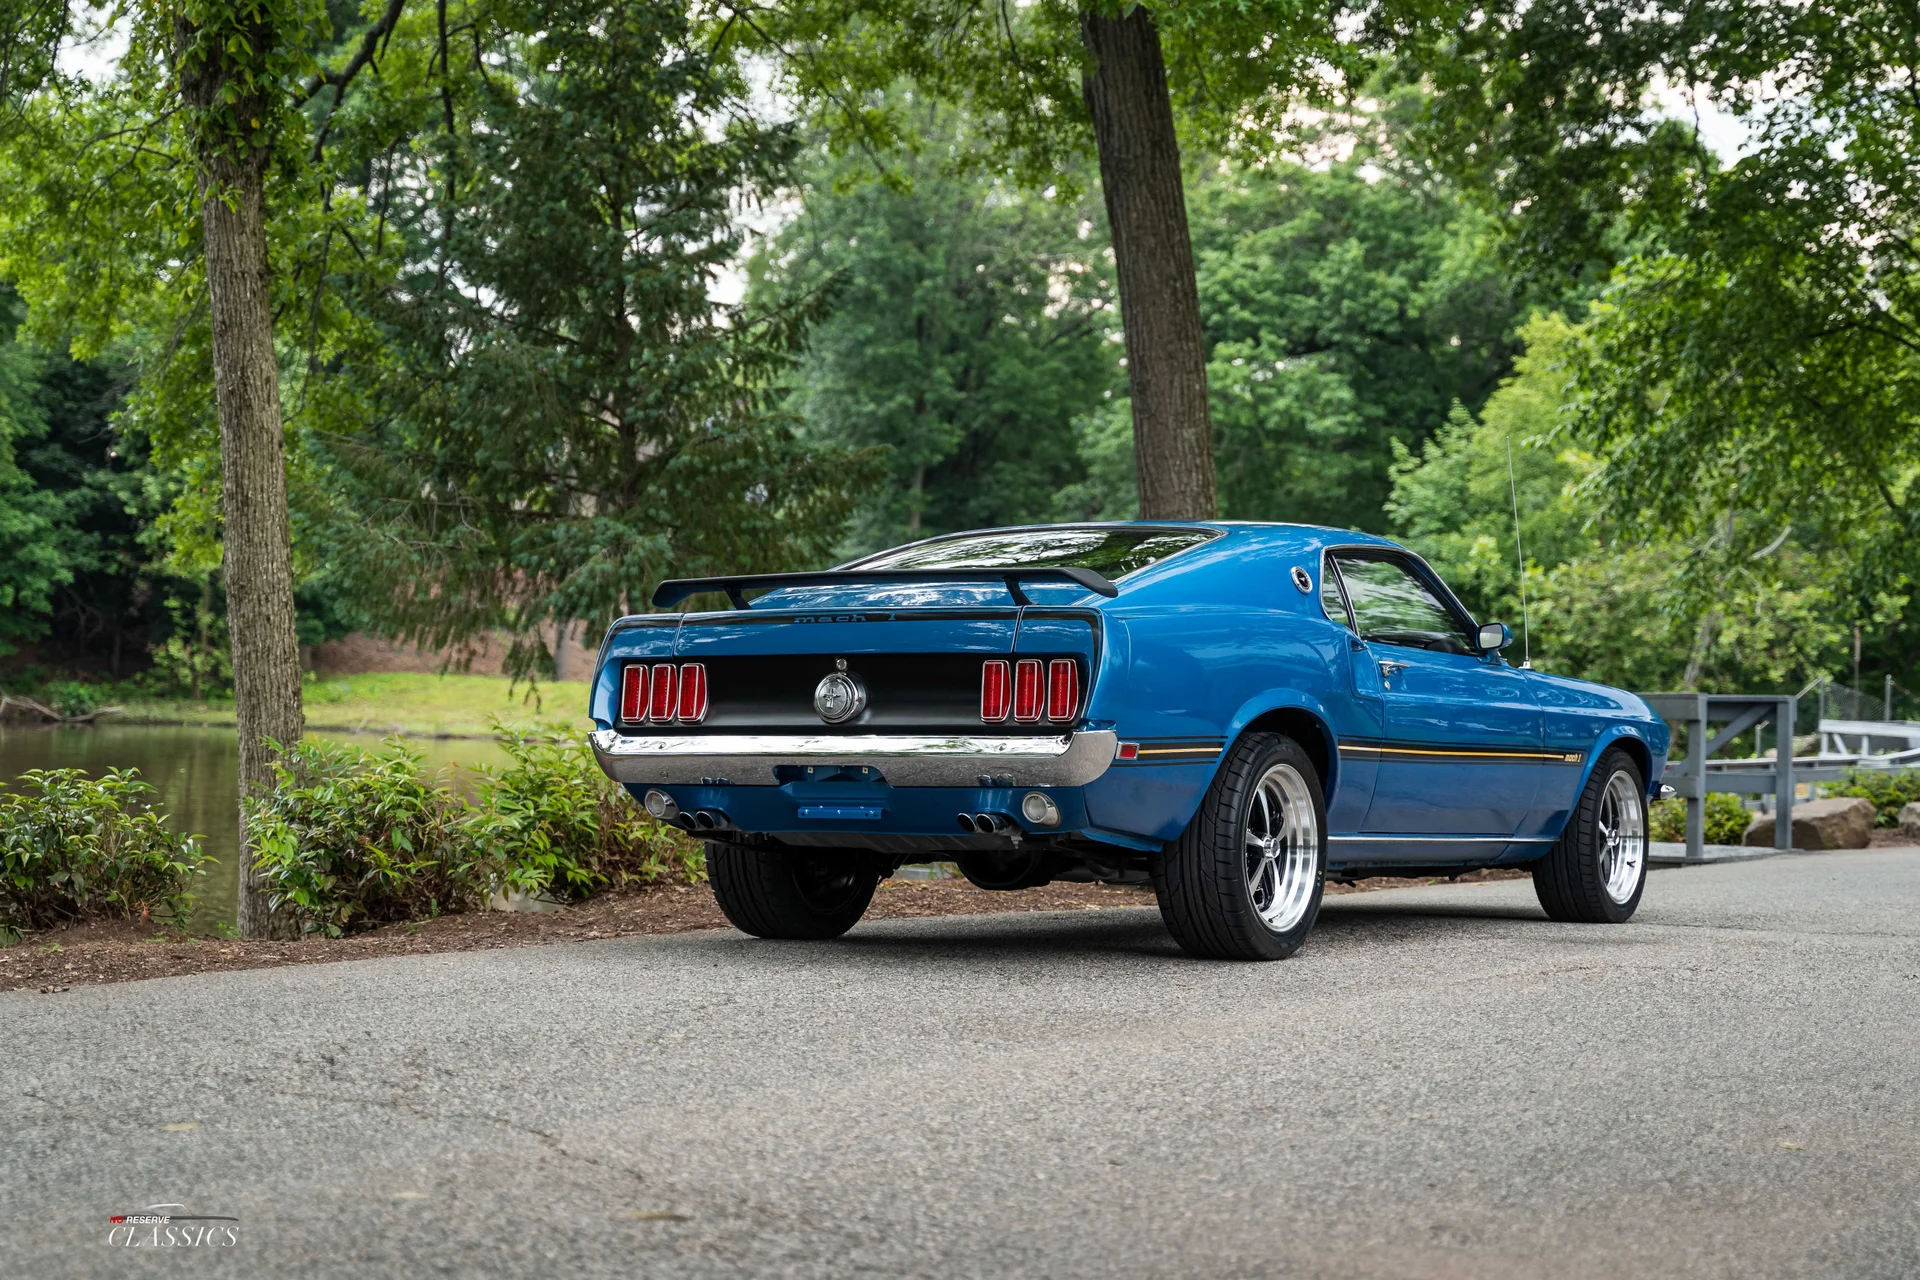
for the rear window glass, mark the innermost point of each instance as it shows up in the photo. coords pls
(1108, 551)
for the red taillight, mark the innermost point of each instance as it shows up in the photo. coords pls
(693, 693)
(665, 686)
(996, 694)
(1063, 688)
(1026, 690)
(633, 694)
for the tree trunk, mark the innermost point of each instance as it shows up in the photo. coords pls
(253, 476)
(1126, 93)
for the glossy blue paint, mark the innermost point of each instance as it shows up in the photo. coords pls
(831, 801)
(1446, 700)
(1194, 651)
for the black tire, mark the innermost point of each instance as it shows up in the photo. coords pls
(1202, 878)
(788, 893)
(1571, 881)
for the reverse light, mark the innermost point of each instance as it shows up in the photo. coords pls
(1026, 690)
(1038, 808)
(996, 690)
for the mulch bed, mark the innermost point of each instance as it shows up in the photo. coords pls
(130, 950)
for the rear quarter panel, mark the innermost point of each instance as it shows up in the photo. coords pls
(1193, 658)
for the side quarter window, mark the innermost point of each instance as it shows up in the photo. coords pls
(1391, 605)
(1333, 601)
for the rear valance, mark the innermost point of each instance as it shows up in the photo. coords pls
(670, 593)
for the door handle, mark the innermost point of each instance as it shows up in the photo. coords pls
(1389, 668)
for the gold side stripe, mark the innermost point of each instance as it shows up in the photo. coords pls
(1465, 753)
(1179, 751)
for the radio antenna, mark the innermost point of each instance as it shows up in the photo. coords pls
(1520, 561)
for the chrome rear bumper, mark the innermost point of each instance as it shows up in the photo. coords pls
(904, 760)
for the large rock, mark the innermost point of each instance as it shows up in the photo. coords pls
(1910, 820)
(1844, 822)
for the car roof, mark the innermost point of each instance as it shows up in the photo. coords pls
(1267, 535)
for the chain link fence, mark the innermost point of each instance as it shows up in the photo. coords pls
(1832, 700)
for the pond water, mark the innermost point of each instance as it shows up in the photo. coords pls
(193, 772)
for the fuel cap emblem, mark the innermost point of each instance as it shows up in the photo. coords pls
(839, 697)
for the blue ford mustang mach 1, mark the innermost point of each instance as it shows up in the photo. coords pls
(1230, 712)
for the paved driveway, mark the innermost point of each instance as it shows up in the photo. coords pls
(1441, 1084)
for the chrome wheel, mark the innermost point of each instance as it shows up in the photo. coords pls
(1623, 836)
(1282, 848)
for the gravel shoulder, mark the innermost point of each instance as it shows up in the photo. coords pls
(131, 950)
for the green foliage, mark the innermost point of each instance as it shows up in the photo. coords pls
(1453, 502)
(1234, 68)
(1726, 819)
(1730, 613)
(1889, 789)
(545, 412)
(351, 839)
(74, 847)
(1347, 310)
(1111, 489)
(72, 697)
(965, 332)
(1756, 361)
(553, 824)
(33, 563)
(1651, 618)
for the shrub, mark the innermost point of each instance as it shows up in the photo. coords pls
(1887, 788)
(1726, 819)
(351, 838)
(73, 698)
(74, 847)
(552, 823)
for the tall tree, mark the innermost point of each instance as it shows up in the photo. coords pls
(1759, 351)
(1745, 610)
(545, 410)
(34, 562)
(1053, 78)
(967, 330)
(1348, 306)
(206, 89)
(235, 67)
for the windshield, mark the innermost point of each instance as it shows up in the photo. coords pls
(1111, 551)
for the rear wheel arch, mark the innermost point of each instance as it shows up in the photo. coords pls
(1305, 728)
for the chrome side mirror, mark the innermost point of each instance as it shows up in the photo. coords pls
(1495, 636)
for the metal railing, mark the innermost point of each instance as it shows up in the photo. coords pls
(1700, 771)
(1710, 722)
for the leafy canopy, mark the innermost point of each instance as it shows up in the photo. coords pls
(1347, 308)
(1235, 67)
(546, 413)
(967, 330)
(1758, 349)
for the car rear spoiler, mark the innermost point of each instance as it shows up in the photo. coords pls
(672, 592)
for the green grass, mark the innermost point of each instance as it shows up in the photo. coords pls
(412, 703)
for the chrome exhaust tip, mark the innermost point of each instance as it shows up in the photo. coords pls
(705, 820)
(988, 824)
(966, 823)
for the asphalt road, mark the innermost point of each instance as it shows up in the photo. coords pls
(1442, 1083)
